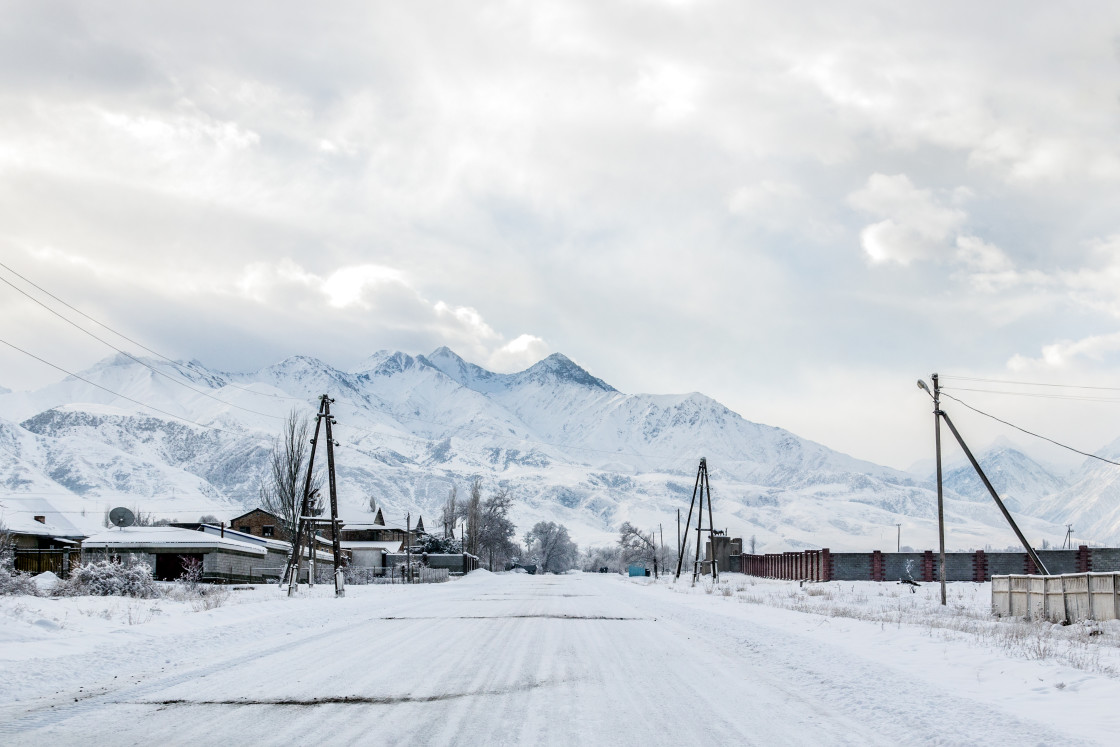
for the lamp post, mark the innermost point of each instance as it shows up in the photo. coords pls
(936, 394)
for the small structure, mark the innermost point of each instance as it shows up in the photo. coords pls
(1067, 598)
(638, 570)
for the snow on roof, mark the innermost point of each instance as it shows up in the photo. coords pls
(19, 514)
(387, 545)
(380, 527)
(168, 536)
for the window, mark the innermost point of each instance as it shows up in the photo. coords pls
(266, 530)
(246, 530)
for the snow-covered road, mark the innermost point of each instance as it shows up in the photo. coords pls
(504, 659)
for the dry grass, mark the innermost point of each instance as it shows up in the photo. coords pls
(1090, 646)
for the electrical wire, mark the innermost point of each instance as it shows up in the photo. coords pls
(1027, 383)
(117, 394)
(1035, 395)
(138, 360)
(1029, 433)
(141, 345)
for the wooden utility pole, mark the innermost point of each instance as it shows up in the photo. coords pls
(307, 522)
(699, 489)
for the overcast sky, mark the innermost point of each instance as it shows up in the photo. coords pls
(795, 208)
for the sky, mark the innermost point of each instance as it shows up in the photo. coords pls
(798, 210)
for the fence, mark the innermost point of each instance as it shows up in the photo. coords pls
(358, 576)
(977, 566)
(1066, 598)
(58, 562)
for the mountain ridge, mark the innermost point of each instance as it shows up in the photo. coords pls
(572, 447)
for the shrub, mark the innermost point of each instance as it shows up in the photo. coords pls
(14, 582)
(106, 579)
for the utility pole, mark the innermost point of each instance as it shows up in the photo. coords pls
(678, 531)
(899, 549)
(1069, 537)
(408, 544)
(938, 416)
(700, 488)
(940, 488)
(306, 521)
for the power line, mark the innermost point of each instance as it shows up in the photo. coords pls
(1035, 395)
(1029, 433)
(116, 394)
(133, 357)
(1029, 383)
(173, 362)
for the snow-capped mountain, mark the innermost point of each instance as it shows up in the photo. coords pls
(183, 440)
(1091, 502)
(1020, 481)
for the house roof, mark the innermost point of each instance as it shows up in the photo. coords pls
(386, 545)
(19, 514)
(256, 510)
(174, 537)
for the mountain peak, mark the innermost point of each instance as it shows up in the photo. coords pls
(560, 366)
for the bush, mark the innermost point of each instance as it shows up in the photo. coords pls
(14, 582)
(107, 579)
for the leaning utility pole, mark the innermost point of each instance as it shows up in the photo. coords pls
(701, 486)
(307, 522)
(938, 416)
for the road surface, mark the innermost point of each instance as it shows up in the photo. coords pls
(490, 660)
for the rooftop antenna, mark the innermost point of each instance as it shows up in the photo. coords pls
(122, 517)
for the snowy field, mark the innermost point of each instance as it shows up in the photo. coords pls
(581, 658)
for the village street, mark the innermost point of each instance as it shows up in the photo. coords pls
(496, 659)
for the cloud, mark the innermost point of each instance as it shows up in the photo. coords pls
(917, 225)
(387, 298)
(1066, 353)
(518, 354)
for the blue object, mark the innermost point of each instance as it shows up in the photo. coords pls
(637, 570)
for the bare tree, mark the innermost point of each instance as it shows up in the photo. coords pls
(281, 487)
(471, 511)
(549, 544)
(449, 514)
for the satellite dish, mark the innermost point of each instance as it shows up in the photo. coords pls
(122, 517)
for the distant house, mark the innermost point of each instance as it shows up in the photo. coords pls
(261, 523)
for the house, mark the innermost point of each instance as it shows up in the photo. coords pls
(261, 523)
(34, 524)
(167, 549)
(42, 538)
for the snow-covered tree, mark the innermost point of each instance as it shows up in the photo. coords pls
(495, 534)
(549, 545)
(636, 545)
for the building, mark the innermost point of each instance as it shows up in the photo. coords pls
(261, 523)
(225, 555)
(43, 539)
